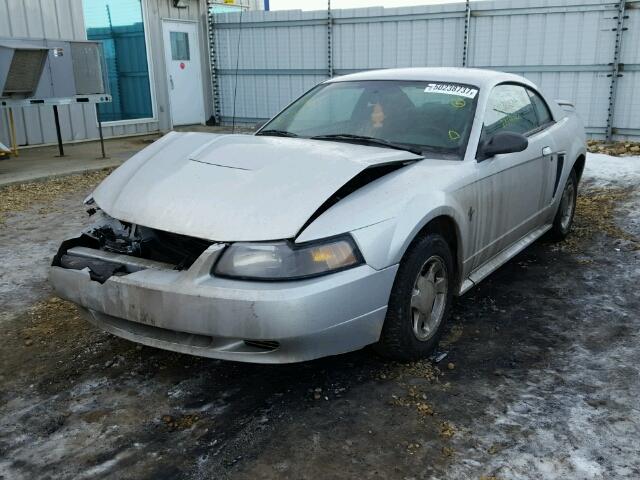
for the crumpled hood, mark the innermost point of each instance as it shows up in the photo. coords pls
(233, 187)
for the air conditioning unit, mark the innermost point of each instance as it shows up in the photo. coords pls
(51, 69)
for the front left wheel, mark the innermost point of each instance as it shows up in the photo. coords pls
(420, 300)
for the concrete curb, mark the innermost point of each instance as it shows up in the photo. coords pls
(34, 177)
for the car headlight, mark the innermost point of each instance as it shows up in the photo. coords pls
(286, 260)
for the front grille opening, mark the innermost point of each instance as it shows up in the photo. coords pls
(268, 345)
(148, 243)
(180, 250)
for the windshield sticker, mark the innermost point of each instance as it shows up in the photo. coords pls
(451, 89)
(453, 135)
(458, 103)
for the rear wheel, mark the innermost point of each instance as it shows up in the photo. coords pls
(420, 300)
(564, 216)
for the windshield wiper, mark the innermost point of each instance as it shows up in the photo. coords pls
(277, 133)
(348, 137)
(433, 149)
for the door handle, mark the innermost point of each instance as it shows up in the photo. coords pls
(171, 81)
(546, 151)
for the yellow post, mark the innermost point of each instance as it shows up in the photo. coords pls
(12, 132)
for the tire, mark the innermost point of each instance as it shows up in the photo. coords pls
(407, 333)
(566, 210)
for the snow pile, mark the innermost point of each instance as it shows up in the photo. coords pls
(604, 170)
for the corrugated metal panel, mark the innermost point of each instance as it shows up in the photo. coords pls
(627, 111)
(565, 46)
(268, 49)
(399, 37)
(126, 60)
(579, 38)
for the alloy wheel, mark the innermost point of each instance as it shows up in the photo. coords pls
(429, 298)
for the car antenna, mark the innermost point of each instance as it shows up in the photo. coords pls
(235, 84)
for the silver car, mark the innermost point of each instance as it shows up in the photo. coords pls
(351, 218)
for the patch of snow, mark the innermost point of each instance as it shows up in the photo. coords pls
(106, 466)
(604, 170)
(89, 386)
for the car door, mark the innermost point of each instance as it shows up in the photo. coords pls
(548, 130)
(511, 188)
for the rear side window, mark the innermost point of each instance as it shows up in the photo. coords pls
(510, 110)
(542, 111)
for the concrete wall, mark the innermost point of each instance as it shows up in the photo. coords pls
(63, 19)
(564, 46)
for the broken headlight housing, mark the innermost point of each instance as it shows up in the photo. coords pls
(287, 261)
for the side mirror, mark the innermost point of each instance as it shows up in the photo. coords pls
(502, 142)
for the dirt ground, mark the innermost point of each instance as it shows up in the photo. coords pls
(540, 379)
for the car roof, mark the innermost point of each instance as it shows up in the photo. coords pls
(471, 76)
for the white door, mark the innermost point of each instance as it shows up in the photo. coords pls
(182, 53)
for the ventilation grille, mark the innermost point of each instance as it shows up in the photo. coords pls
(87, 68)
(25, 71)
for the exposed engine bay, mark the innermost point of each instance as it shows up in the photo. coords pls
(111, 235)
(149, 243)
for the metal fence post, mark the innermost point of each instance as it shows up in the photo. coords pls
(616, 68)
(467, 24)
(215, 90)
(329, 40)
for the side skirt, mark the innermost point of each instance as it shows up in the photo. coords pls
(501, 258)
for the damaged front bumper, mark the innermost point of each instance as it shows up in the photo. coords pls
(191, 311)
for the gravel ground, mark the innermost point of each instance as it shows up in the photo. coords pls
(541, 377)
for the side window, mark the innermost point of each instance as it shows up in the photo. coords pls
(509, 109)
(542, 111)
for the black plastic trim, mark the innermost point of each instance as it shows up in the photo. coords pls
(559, 166)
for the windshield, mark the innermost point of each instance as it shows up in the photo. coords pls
(430, 117)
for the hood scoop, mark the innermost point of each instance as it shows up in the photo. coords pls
(222, 152)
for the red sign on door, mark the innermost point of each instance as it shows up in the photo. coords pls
(182, 65)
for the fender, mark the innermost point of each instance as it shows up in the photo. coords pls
(385, 232)
(385, 243)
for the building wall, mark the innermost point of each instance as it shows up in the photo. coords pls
(63, 19)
